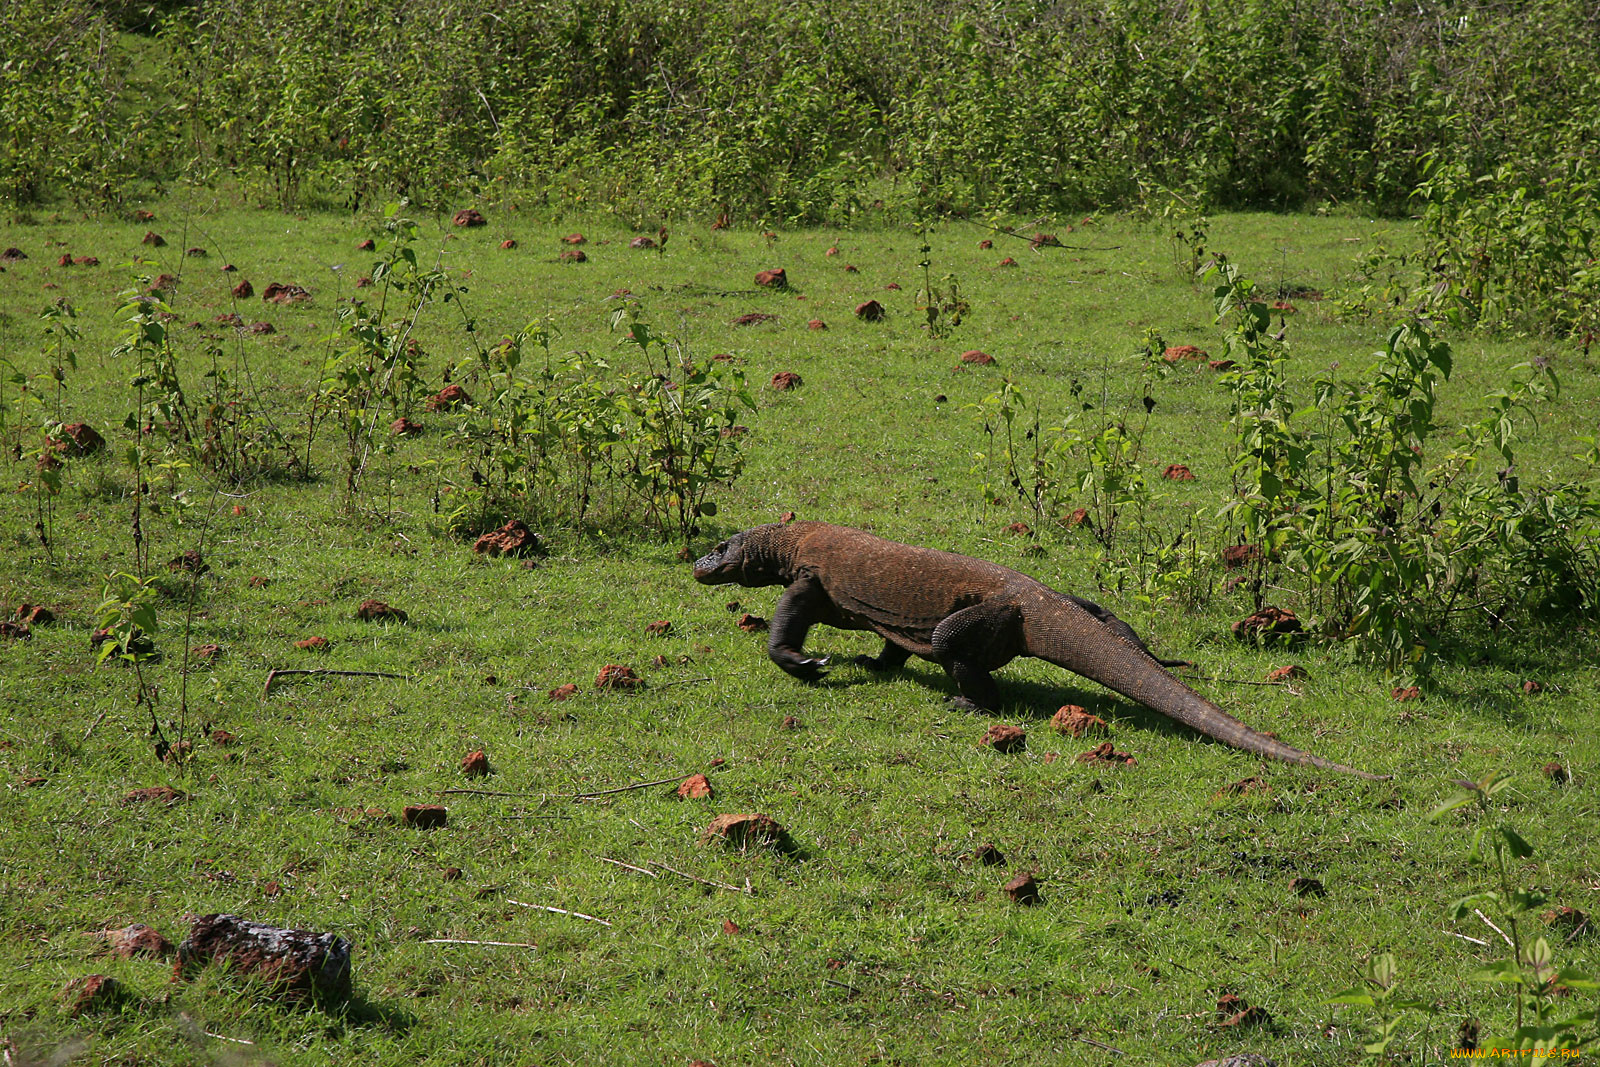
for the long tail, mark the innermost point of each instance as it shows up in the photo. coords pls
(1078, 641)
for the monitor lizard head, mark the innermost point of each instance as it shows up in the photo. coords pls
(746, 558)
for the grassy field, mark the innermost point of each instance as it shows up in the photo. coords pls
(881, 938)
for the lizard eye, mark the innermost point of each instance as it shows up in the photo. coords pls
(722, 548)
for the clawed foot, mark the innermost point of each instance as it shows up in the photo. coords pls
(960, 703)
(807, 670)
(875, 664)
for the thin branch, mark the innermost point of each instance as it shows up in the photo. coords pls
(1464, 937)
(275, 674)
(703, 881)
(568, 796)
(628, 866)
(1096, 1044)
(1492, 926)
(558, 911)
(843, 985)
(458, 941)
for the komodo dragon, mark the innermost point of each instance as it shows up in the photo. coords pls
(967, 615)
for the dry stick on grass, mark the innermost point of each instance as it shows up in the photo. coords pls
(567, 796)
(280, 672)
(1096, 1044)
(558, 911)
(705, 881)
(458, 941)
(628, 866)
(1464, 937)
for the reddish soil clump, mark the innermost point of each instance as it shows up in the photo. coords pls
(773, 279)
(573, 255)
(616, 676)
(562, 692)
(574, 239)
(189, 561)
(1232, 1011)
(981, 359)
(475, 764)
(1008, 262)
(1076, 517)
(642, 242)
(315, 643)
(35, 615)
(870, 311)
(369, 245)
(65, 260)
(1019, 528)
(790, 723)
(1244, 787)
(244, 290)
(893, 287)
(695, 787)
(282, 293)
(1023, 889)
(1567, 918)
(1003, 738)
(989, 856)
(155, 794)
(165, 283)
(153, 239)
(832, 251)
(1177, 472)
(298, 965)
(1077, 721)
(851, 269)
(1283, 306)
(1221, 364)
(512, 539)
(985, 244)
(1236, 556)
(1105, 753)
(222, 738)
(1270, 626)
(508, 244)
(1044, 240)
(425, 816)
(1405, 693)
(1179, 353)
(404, 427)
(816, 324)
(751, 624)
(138, 941)
(230, 319)
(785, 380)
(259, 581)
(1286, 674)
(197, 253)
(86, 261)
(1530, 687)
(81, 439)
(364, 282)
(742, 831)
(13, 255)
(1556, 772)
(754, 318)
(1307, 887)
(205, 653)
(448, 399)
(469, 217)
(144, 216)
(378, 611)
(659, 628)
(92, 992)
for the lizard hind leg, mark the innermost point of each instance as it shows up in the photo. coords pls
(974, 641)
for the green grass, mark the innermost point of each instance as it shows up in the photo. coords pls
(882, 940)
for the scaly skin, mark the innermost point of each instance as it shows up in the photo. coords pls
(969, 616)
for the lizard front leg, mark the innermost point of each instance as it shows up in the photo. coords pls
(803, 604)
(974, 641)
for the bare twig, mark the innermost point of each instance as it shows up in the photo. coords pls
(558, 911)
(704, 881)
(843, 985)
(224, 1037)
(680, 681)
(1464, 937)
(92, 727)
(569, 796)
(628, 866)
(459, 941)
(1492, 926)
(1096, 1044)
(275, 674)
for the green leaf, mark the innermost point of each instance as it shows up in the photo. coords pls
(1353, 996)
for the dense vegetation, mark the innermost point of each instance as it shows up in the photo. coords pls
(797, 113)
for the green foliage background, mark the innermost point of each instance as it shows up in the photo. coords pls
(802, 113)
